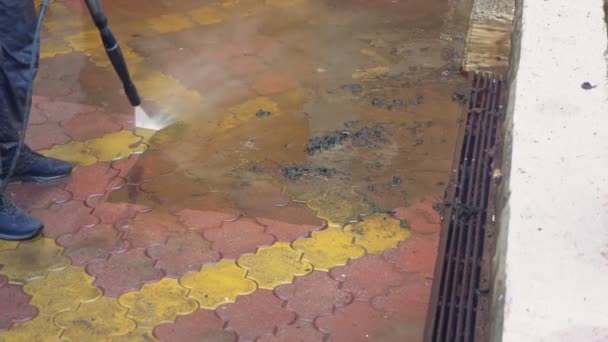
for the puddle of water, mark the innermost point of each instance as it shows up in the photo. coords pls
(313, 68)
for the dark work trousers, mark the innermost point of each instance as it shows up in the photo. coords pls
(17, 29)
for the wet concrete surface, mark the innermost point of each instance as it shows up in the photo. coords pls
(287, 111)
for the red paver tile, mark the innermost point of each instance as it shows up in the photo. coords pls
(81, 126)
(201, 220)
(142, 168)
(114, 213)
(3, 280)
(202, 325)
(410, 300)
(45, 136)
(65, 218)
(14, 305)
(356, 322)
(59, 111)
(93, 243)
(38, 196)
(90, 180)
(153, 227)
(51, 87)
(37, 117)
(219, 52)
(260, 45)
(421, 216)
(182, 254)
(416, 254)
(124, 272)
(246, 65)
(300, 331)
(273, 83)
(368, 276)
(255, 315)
(313, 295)
(288, 232)
(230, 93)
(235, 238)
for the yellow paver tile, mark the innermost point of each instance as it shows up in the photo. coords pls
(74, 152)
(328, 248)
(5, 245)
(139, 335)
(117, 145)
(157, 303)
(95, 321)
(32, 260)
(217, 284)
(207, 15)
(40, 329)
(62, 290)
(377, 233)
(339, 206)
(274, 265)
(172, 22)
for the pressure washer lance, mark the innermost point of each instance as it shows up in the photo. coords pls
(114, 53)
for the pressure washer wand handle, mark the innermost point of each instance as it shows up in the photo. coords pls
(113, 50)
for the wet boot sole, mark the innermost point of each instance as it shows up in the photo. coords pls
(32, 179)
(20, 237)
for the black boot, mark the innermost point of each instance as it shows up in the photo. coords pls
(16, 224)
(34, 167)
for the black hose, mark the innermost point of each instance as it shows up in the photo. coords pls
(28, 98)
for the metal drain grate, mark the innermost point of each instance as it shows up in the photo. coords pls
(460, 294)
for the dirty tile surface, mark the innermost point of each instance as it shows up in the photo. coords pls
(291, 198)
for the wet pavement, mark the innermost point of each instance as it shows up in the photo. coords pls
(292, 199)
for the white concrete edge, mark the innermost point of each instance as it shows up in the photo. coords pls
(555, 219)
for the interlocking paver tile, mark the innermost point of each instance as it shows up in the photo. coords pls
(114, 146)
(153, 227)
(377, 232)
(313, 295)
(246, 65)
(264, 306)
(62, 290)
(410, 300)
(339, 206)
(417, 254)
(74, 152)
(90, 180)
(300, 331)
(207, 15)
(274, 265)
(219, 283)
(421, 217)
(288, 232)
(141, 168)
(235, 238)
(45, 136)
(32, 260)
(38, 196)
(328, 248)
(58, 111)
(65, 218)
(6, 245)
(15, 306)
(368, 276)
(203, 325)
(114, 213)
(355, 322)
(39, 329)
(172, 22)
(270, 83)
(124, 272)
(100, 319)
(138, 335)
(93, 243)
(201, 220)
(79, 127)
(156, 303)
(182, 254)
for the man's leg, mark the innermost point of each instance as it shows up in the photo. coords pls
(17, 28)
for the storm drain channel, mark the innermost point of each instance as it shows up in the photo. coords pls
(461, 287)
